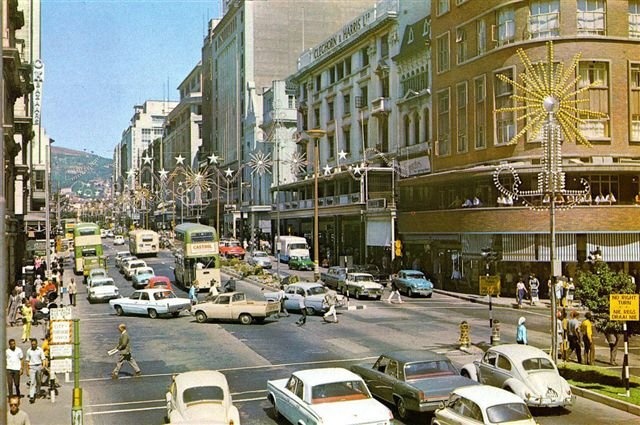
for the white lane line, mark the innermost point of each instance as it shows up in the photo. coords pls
(126, 402)
(111, 412)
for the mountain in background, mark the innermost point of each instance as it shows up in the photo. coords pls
(87, 174)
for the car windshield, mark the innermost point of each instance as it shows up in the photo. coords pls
(260, 254)
(317, 290)
(428, 369)
(98, 274)
(537, 363)
(163, 295)
(203, 394)
(339, 391)
(364, 278)
(414, 276)
(509, 412)
(102, 283)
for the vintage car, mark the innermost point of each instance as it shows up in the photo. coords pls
(413, 282)
(260, 258)
(334, 276)
(118, 240)
(119, 256)
(412, 380)
(201, 397)
(235, 306)
(159, 282)
(300, 262)
(482, 404)
(98, 272)
(329, 396)
(141, 277)
(130, 267)
(313, 292)
(151, 302)
(523, 370)
(360, 285)
(123, 262)
(102, 289)
(231, 248)
(378, 274)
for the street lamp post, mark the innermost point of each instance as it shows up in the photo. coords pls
(316, 134)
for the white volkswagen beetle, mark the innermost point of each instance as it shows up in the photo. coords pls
(201, 397)
(523, 370)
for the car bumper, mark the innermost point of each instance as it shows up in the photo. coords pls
(423, 292)
(103, 297)
(552, 402)
(177, 308)
(371, 292)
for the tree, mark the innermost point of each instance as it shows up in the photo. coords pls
(593, 288)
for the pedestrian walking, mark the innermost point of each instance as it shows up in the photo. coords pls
(330, 300)
(561, 330)
(586, 329)
(303, 310)
(573, 335)
(14, 357)
(394, 291)
(73, 290)
(612, 338)
(193, 292)
(534, 289)
(124, 348)
(521, 292)
(521, 332)
(35, 360)
(282, 297)
(15, 301)
(27, 318)
(16, 416)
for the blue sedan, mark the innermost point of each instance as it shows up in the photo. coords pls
(413, 282)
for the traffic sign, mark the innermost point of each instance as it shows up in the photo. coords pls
(60, 350)
(61, 365)
(61, 332)
(61, 313)
(489, 285)
(624, 307)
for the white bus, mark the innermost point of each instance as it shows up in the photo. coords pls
(144, 242)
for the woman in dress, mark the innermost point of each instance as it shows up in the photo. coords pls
(15, 300)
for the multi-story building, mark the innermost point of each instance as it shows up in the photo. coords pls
(350, 87)
(475, 42)
(253, 44)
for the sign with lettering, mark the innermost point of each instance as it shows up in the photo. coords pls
(61, 313)
(61, 332)
(352, 29)
(206, 248)
(489, 285)
(60, 350)
(624, 307)
(61, 365)
(38, 80)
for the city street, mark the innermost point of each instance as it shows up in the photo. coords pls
(250, 355)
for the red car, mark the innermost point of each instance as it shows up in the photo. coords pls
(159, 282)
(230, 248)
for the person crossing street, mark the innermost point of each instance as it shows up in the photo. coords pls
(124, 348)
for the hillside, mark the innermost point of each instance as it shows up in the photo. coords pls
(87, 174)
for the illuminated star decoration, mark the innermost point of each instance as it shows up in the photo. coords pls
(180, 160)
(213, 158)
(327, 170)
(547, 82)
(357, 170)
(147, 159)
(298, 163)
(131, 172)
(163, 174)
(198, 178)
(228, 173)
(342, 155)
(260, 163)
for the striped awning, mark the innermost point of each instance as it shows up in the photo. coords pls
(615, 246)
(519, 247)
(566, 249)
(473, 244)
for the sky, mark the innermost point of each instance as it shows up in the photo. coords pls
(102, 57)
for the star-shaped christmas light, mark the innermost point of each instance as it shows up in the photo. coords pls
(213, 158)
(327, 170)
(163, 174)
(342, 155)
(228, 173)
(260, 163)
(147, 159)
(180, 160)
(131, 172)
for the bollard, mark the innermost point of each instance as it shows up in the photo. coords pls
(495, 333)
(464, 335)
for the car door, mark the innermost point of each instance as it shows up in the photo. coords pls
(292, 301)
(291, 403)
(487, 367)
(377, 380)
(503, 371)
(144, 303)
(130, 305)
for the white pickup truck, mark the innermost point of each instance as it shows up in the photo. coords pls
(235, 306)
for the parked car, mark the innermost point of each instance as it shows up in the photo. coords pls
(231, 248)
(159, 282)
(360, 285)
(124, 261)
(235, 306)
(119, 256)
(379, 275)
(300, 262)
(525, 371)
(109, 233)
(328, 396)
(141, 276)
(118, 240)
(202, 397)
(98, 272)
(313, 291)
(151, 302)
(260, 258)
(131, 266)
(412, 380)
(334, 276)
(413, 282)
(102, 289)
(483, 404)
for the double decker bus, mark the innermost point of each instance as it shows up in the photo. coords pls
(197, 256)
(69, 225)
(88, 251)
(144, 242)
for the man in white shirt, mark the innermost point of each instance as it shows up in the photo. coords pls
(34, 360)
(14, 367)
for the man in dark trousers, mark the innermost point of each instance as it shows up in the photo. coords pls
(124, 347)
(303, 311)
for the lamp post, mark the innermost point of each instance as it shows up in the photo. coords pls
(316, 134)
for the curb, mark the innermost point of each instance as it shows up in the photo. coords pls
(609, 401)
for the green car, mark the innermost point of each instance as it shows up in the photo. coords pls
(300, 263)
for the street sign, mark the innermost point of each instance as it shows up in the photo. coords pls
(61, 332)
(61, 313)
(489, 285)
(624, 307)
(60, 350)
(61, 365)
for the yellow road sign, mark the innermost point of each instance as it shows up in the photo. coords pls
(624, 307)
(489, 285)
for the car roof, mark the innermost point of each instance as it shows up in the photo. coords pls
(325, 375)
(410, 271)
(258, 252)
(102, 279)
(153, 290)
(306, 285)
(410, 356)
(137, 261)
(519, 351)
(123, 254)
(98, 269)
(156, 278)
(486, 396)
(360, 274)
(145, 269)
(199, 378)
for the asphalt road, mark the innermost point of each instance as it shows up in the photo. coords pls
(251, 355)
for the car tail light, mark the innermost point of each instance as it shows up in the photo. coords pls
(390, 414)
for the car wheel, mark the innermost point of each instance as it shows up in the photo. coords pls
(201, 317)
(90, 300)
(311, 311)
(175, 314)
(429, 296)
(465, 374)
(153, 313)
(119, 310)
(276, 412)
(402, 408)
(357, 295)
(245, 319)
(409, 293)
